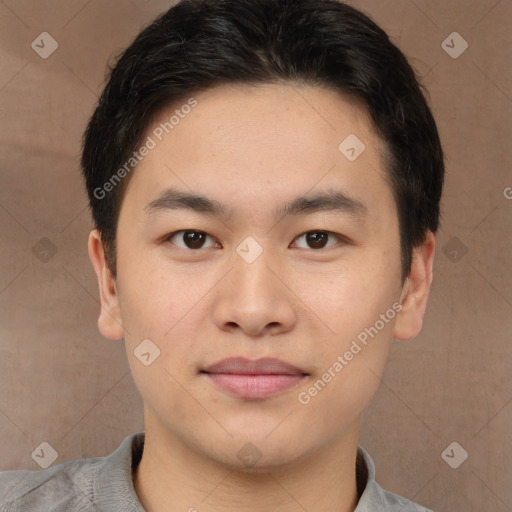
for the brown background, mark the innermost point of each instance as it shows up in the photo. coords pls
(62, 383)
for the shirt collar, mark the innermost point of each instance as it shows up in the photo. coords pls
(113, 485)
(373, 496)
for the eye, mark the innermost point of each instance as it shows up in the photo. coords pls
(195, 240)
(318, 239)
(191, 239)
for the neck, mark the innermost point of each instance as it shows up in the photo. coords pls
(173, 477)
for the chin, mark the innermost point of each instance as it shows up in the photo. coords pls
(252, 459)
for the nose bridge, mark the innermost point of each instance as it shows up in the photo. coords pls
(253, 297)
(251, 273)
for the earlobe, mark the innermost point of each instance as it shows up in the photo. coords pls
(109, 321)
(416, 291)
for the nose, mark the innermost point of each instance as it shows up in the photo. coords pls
(255, 299)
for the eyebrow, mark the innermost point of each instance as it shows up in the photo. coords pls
(330, 200)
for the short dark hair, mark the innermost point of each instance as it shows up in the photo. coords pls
(198, 44)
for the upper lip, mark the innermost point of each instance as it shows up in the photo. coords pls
(263, 366)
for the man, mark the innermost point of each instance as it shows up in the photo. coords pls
(264, 178)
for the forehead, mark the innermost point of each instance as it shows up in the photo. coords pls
(253, 146)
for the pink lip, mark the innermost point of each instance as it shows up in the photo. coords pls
(254, 379)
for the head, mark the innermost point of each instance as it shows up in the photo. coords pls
(248, 105)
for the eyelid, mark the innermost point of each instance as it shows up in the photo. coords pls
(168, 237)
(341, 238)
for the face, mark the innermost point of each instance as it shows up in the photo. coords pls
(293, 254)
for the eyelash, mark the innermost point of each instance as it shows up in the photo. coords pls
(168, 238)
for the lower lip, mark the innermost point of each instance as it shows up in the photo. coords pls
(254, 386)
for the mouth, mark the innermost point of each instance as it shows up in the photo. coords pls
(257, 379)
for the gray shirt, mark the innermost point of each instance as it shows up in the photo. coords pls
(104, 484)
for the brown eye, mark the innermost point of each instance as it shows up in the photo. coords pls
(317, 239)
(190, 239)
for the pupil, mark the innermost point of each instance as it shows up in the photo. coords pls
(194, 238)
(317, 239)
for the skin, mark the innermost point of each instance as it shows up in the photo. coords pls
(254, 149)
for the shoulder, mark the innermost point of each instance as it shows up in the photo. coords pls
(87, 485)
(66, 486)
(374, 497)
(399, 503)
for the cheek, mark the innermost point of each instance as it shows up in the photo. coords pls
(163, 306)
(160, 308)
(352, 364)
(357, 311)
(154, 296)
(349, 301)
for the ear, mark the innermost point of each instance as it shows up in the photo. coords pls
(415, 291)
(109, 321)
